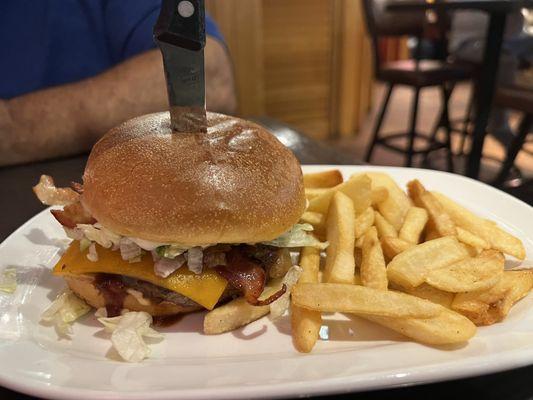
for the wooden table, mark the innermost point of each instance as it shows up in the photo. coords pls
(486, 81)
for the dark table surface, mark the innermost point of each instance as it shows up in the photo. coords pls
(18, 204)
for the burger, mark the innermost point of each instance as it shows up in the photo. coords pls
(169, 223)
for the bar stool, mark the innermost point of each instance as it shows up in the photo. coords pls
(414, 73)
(520, 99)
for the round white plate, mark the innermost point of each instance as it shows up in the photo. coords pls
(258, 360)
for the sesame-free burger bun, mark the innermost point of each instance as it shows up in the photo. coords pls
(234, 184)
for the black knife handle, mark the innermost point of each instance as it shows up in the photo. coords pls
(180, 29)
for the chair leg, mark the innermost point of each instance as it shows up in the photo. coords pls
(412, 129)
(442, 122)
(515, 147)
(379, 121)
(466, 121)
(446, 94)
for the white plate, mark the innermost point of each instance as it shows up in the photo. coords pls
(257, 361)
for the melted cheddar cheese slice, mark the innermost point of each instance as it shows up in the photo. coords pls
(205, 288)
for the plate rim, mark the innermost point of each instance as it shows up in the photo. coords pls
(474, 366)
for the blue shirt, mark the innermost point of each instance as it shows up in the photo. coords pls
(51, 42)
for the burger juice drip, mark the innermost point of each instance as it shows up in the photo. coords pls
(114, 291)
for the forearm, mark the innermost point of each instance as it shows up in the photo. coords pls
(68, 119)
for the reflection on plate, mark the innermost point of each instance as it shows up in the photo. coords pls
(258, 360)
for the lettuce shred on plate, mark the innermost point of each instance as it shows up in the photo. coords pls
(8, 280)
(127, 333)
(64, 310)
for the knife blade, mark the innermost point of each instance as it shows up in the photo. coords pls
(180, 35)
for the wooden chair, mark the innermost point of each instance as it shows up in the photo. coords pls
(415, 73)
(520, 99)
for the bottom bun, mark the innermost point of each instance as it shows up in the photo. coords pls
(83, 286)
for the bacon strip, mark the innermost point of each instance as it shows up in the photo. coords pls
(49, 194)
(72, 215)
(77, 187)
(247, 277)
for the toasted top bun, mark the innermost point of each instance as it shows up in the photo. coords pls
(234, 184)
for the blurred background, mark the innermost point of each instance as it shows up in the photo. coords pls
(309, 63)
(338, 81)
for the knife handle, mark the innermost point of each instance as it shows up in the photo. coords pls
(181, 23)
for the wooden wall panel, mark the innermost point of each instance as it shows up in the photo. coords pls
(304, 62)
(297, 51)
(355, 77)
(241, 24)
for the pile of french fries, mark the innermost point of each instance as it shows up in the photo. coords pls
(415, 262)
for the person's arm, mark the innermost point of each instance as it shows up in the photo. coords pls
(68, 119)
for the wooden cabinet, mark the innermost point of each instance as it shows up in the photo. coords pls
(304, 62)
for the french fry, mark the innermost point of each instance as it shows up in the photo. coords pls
(313, 218)
(357, 278)
(317, 220)
(385, 229)
(373, 268)
(356, 188)
(392, 246)
(237, 312)
(411, 267)
(495, 236)
(360, 192)
(448, 327)
(305, 323)
(475, 273)
(358, 255)
(490, 306)
(414, 224)
(439, 220)
(323, 179)
(363, 222)
(359, 242)
(379, 194)
(361, 300)
(473, 251)
(396, 205)
(310, 263)
(232, 315)
(340, 263)
(472, 240)
(311, 193)
(431, 232)
(425, 291)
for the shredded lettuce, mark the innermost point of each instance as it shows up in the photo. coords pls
(127, 332)
(129, 250)
(298, 236)
(164, 267)
(8, 280)
(64, 310)
(281, 305)
(84, 244)
(170, 251)
(102, 236)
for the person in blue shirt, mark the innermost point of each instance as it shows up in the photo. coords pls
(72, 69)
